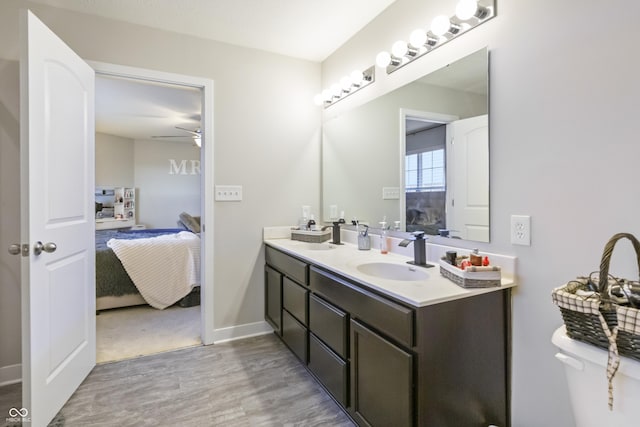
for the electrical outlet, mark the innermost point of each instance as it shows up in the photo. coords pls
(521, 230)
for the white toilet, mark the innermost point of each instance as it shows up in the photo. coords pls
(586, 371)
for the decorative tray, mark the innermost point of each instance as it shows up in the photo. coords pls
(311, 236)
(472, 277)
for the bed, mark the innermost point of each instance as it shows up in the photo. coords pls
(114, 286)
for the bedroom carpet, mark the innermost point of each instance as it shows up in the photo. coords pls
(124, 333)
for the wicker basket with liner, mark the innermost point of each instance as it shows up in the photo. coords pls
(311, 236)
(591, 313)
(471, 277)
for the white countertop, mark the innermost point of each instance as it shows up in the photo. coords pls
(344, 259)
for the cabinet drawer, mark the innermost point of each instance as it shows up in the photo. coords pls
(330, 369)
(294, 299)
(330, 324)
(386, 316)
(294, 334)
(296, 269)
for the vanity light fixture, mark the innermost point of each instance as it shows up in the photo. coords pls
(347, 86)
(469, 14)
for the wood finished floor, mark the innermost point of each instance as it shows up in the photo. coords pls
(10, 397)
(251, 382)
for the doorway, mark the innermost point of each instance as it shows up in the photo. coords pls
(147, 177)
(205, 88)
(423, 171)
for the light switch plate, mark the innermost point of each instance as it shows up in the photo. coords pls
(228, 193)
(390, 193)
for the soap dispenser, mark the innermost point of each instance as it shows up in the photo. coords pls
(384, 243)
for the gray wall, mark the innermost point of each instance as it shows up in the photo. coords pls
(164, 190)
(114, 161)
(266, 131)
(162, 194)
(563, 125)
(9, 220)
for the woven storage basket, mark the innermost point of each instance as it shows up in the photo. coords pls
(584, 316)
(311, 236)
(471, 277)
(628, 337)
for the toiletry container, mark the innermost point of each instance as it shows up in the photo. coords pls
(586, 372)
(384, 239)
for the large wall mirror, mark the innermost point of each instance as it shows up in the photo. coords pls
(417, 156)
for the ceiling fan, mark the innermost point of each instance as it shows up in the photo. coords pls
(196, 135)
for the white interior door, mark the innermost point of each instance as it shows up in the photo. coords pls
(468, 178)
(57, 174)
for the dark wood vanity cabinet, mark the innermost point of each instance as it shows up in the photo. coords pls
(390, 364)
(293, 300)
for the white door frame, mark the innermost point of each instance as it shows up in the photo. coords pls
(206, 179)
(424, 116)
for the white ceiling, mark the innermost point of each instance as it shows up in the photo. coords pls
(139, 109)
(308, 29)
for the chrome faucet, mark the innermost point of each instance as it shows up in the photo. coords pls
(419, 249)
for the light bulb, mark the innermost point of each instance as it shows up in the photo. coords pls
(383, 59)
(418, 38)
(327, 95)
(399, 49)
(336, 90)
(465, 9)
(440, 25)
(357, 77)
(318, 99)
(345, 82)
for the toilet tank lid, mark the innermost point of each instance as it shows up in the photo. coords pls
(580, 350)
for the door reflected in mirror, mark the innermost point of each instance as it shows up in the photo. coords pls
(418, 155)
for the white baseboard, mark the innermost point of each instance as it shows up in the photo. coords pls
(241, 331)
(10, 374)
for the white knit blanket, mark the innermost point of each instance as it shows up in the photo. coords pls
(163, 268)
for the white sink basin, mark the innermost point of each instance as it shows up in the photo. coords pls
(389, 271)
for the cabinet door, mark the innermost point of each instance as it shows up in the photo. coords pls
(381, 380)
(273, 298)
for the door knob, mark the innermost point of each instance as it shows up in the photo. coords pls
(15, 249)
(48, 247)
